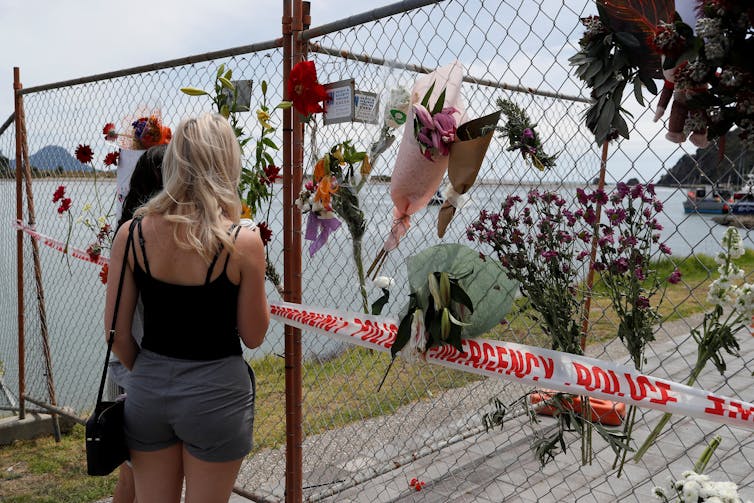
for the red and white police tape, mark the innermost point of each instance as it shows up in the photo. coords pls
(60, 245)
(542, 368)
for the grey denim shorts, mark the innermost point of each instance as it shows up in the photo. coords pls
(207, 405)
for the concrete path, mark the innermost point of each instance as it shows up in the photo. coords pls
(442, 441)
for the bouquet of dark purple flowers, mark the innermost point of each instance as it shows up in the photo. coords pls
(435, 127)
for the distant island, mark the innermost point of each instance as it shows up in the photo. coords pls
(51, 161)
(706, 168)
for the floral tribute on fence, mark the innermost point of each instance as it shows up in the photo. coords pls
(522, 135)
(333, 192)
(733, 306)
(543, 243)
(257, 181)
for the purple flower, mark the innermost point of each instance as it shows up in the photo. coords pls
(657, 205)
(647, 213)
(621, 265)
(425, 118)
(616, 215)
(527, 134)
(642, 302)
(651, 188)
(639, 273)
(628, 241)
(590, 216)
(582, 196)
(445, 124)
(599, 266)
(605, 240)
(655, 225)
(582, 255)
(622, 189)
(548, 254)
(675, 277)
(665, 249)
(637, 191)
(565, 237)
(599, 196)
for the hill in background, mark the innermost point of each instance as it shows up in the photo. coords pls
(53, 157)
(706, 166)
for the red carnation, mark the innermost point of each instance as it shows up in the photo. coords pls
(94, 251)
(65, 205)
(111, 159)
(84, 154)
(103, 274)
(271, 174)
(109, 132)
(265, 233)
(59, 194)
(304, 90)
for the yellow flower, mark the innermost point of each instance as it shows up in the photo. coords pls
(101, 221)
(86, 208)
(263, 118)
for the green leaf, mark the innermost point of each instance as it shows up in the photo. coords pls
(425, 100)
(220, 69)
(637, 92)
(269, 143)
(627, 40)
(439, 103)
(459, 295)
(193, 91)
(378, 304)
(620, 125)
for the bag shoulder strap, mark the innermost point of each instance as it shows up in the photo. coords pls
(115, 312)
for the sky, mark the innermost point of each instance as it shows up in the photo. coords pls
(53, 40)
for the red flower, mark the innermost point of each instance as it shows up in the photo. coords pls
(84, 154)
(417, 484)
(65, 205)
(104, 232)
(103, 274)
(304, 90)
(59, 193)
(94, 251)
(111, 159)
(109, 132)
(271, 173)
(265, 233)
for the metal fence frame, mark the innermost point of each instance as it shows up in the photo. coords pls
(297, 42)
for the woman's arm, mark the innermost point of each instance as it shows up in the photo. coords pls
(253, 311)
(124, 346)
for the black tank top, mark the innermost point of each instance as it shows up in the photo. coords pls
(192, 322)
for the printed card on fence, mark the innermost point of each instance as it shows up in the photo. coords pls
(339, 106)
(366, 107)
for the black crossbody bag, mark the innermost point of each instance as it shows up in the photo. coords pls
(105, 440)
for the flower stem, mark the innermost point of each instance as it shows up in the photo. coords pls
(360, 271)
(631, 418)
(666, 417)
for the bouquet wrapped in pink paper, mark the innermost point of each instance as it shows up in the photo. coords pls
(435, 112)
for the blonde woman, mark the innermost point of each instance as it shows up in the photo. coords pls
(190, 405)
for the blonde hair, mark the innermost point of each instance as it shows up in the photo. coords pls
(201, 171)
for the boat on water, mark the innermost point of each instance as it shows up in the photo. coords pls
(744, 205)
(711, 201)
(747, 189)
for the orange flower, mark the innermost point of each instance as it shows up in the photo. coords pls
(319, 170)
(325, 188)
(245, 211)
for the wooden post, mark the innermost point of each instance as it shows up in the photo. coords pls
(19, 252)
(41, 306)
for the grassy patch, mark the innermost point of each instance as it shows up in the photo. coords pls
(42, 471)
(680, 301)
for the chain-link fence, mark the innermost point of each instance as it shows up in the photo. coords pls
(425, 422)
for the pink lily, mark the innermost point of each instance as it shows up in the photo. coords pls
(423, 115)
